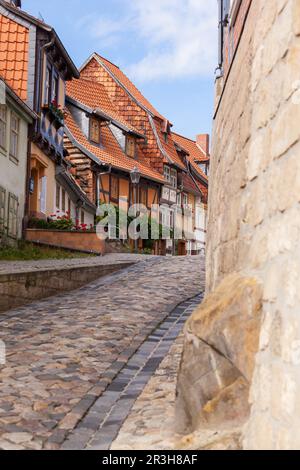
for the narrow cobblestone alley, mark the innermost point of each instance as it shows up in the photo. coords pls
(77, 363)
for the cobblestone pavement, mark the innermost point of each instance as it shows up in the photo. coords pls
(63, 353)
(150, 424)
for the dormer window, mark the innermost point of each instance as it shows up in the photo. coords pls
(205, 168)
(166, 130)
(95, 130)
(130, 146)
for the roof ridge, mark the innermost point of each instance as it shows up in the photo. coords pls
(151, 109)
(23, 13)
(184, 137)
(112, 63)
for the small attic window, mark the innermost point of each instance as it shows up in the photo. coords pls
(130, 146)
(166, 130)
(95, 130)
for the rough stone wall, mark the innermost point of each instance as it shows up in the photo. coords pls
(254, 213)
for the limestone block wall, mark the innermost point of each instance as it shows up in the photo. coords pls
(254, 212)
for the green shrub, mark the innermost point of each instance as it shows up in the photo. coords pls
(63, 223)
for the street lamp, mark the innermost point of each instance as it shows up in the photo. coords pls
(135, 177)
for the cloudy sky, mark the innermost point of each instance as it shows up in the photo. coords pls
(167, 47)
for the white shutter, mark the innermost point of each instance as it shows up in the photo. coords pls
(43, 198)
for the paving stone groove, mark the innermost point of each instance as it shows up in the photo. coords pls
(102, 423)
(64, 352)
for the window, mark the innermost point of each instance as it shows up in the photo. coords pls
(3, 121)
(95, 130)
(47, 98)
(14, 136)
(179, 199)
(173, 178)
(57, 196)
(55, 89)
(69, 207)
(130, 146)
(82, 217)
(165, 216)
(185, 200)
(63, 200)
(167, 173)
(114, 188)
(205, 168)
(43, 194)
(2, 209)
(13, 215)
(144, 197)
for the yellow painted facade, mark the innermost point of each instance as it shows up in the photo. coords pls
(42, 173)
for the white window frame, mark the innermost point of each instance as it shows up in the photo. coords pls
(167, 173)
(14, 134)
(179, 199)
(13, 215)
(58, 196)
(43, 195)
(173, 178)
(3, 120)
(2, 209)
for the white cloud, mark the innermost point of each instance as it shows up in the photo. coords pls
(179, 36)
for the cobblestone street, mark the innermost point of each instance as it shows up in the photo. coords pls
(73, 359)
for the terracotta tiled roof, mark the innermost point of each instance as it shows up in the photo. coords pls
(169, 146)
(204, 190)
(94, 95)
(14, 40)
(111, 153)
(189, 184)
(195, 153)
(131, 88)
(10, 7)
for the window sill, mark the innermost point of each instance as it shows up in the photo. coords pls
(14, 160)
(3, 152)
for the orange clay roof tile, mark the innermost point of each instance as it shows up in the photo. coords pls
(169, 146)
(111, 153)
(195, 153)
(124, 80)
(14, 55)
(189, 184)
(94, 95)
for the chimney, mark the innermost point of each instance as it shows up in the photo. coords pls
(16, 3)
(203, 142)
